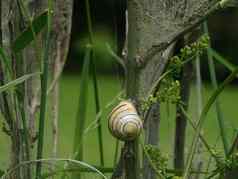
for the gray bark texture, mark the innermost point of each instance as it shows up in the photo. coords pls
(25, 102)
(153, 26)
(62, 22)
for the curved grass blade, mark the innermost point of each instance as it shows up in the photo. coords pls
(228, 3)
(81, 169)
(27, 36)
(16, 82)
(202, 118)
(47, 161)
(221, 59)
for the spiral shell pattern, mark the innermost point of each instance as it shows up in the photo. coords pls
(124, 121)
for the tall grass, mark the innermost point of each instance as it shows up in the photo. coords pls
(202, 118)
(95, 81)
(83, 100)
(220, 118)
(82, 109)
(44, 85)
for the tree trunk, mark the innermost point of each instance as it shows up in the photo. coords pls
(23, 104)
(62, 22)
(153, 26)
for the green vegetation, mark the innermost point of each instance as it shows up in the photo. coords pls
(110, 87)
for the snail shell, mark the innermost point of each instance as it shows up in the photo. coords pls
(124, 121)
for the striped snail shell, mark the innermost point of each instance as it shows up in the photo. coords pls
(124, 122)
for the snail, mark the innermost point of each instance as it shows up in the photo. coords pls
(124, 122)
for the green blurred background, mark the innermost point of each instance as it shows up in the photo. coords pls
(108, 26)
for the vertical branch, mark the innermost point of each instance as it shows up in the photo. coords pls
(62, 23)
(152, 124)
(142, 73)
(217, 104)
(10, 28)
(151, 127)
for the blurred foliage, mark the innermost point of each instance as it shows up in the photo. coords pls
(109, 26)
(101, 37)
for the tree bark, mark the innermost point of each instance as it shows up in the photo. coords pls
(62, 22)
(24, 103)
(153, 26)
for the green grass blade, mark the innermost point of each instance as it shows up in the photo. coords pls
(118, 59)
(6, 60)
(16, 82)
(82, 110)
(50, 160)
(26, 14)
(81, 169)
(82, 107)
(27, 36)
(221, 59)
(202, 118)
(205, 143)
(95, 83)
(98, 109)
(44, 81)
(217, 104)
(228, 3)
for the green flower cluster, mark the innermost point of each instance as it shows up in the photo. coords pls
(159, 161)
(169, 89)
(187, 53)
(169, 93)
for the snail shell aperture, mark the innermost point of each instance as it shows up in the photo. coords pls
(124, 121)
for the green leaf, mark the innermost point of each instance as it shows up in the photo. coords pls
(27, 36)
(16, 82)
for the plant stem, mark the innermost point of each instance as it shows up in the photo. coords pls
(181, 122)
(95, 83)
(217, 104)
(44, 81)
(98, 109)
(82, 108)
(202, 118)
(198, 162)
